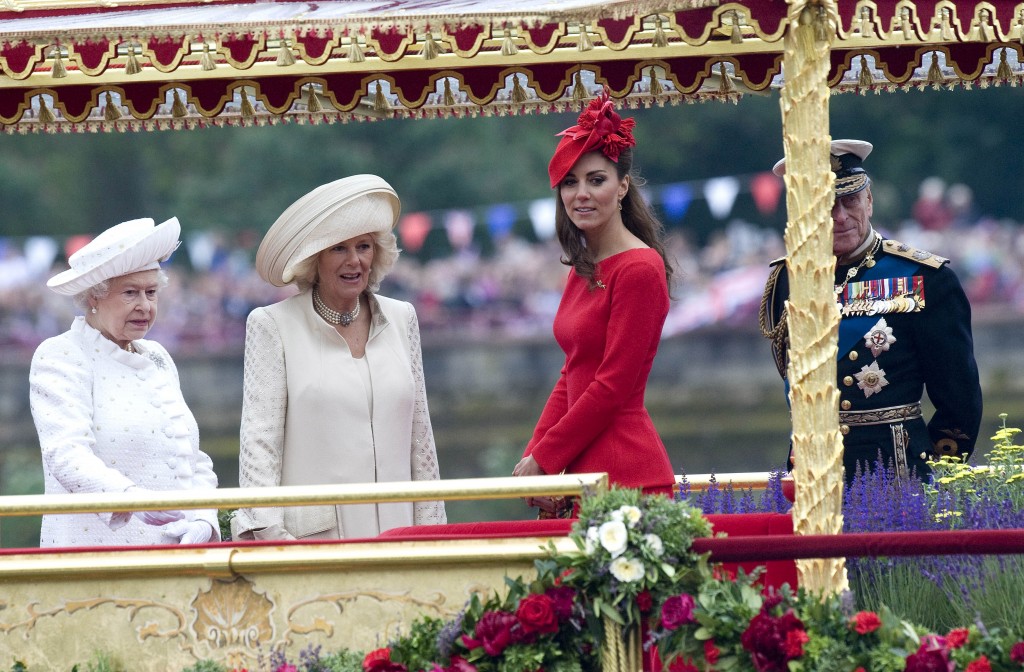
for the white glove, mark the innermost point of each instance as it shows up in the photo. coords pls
(190, 532)
(154, 517)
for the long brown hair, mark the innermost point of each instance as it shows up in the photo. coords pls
(636, 215)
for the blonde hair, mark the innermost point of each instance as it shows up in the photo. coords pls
(385, 254)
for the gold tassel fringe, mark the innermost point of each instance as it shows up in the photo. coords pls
(518, 92)
(660, 38)
(821, 31)
(449, 97)
(285, 57)
(110, 110)
(656, 88)
(725, 86)
(430, 47)
(206, 61)
(1004, 72)
(908, 29)
(867, 26)
(865, 79)
(579, 90)
(131, 64)
(935, 72)
(508, 45)
(380, 103)
(59, 72)
(945, 32)
(737, 32)
(355, 52)
(584, 44)
(178, 108)
(46, 116)
(247, 109)
(313, 100)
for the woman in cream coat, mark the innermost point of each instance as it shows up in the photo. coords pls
(333, 386)
(106, 401)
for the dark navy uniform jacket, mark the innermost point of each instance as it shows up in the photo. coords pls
(905, 329)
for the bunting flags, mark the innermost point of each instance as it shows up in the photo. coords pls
(542, 216)
(721, 193)
(413, 229)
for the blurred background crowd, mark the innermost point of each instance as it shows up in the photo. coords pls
(509, 288)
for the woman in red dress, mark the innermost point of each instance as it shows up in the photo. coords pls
(610, 318)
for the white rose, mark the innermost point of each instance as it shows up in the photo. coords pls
(653, 542)
(626, 569)
(613, 537)
(630, 514)
(590, 541)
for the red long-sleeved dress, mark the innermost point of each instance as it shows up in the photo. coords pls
(595, 419)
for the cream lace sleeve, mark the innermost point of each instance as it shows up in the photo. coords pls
(264, 404)
(424, 453)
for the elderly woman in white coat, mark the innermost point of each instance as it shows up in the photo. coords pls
(333, 390)
(107, 403)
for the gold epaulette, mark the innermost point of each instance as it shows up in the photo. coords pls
(920, 256)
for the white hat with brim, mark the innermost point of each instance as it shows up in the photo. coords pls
(332, 213)
(858, 148)
(128, 247)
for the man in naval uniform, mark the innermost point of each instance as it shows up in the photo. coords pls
(905, 328)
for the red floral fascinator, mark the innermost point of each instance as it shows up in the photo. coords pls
(598, 128)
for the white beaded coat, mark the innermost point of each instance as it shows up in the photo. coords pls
(306, 419)
(107, 420)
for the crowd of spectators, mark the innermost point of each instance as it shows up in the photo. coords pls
(510, 293)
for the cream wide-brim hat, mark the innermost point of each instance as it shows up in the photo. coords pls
(332, 213)
(128, 247)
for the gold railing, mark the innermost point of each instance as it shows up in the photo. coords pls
(756, 480)
(305, 495)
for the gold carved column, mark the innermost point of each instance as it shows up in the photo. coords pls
(813, 318)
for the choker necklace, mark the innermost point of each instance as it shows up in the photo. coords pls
(868, 260)
(333, 316)
(130, 348)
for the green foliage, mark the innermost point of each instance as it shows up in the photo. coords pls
(206, 666)
(418, 650)
(340, 661)
(224, 517)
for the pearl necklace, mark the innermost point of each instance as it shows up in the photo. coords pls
(130, 348)
(332, 316)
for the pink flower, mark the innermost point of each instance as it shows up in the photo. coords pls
(563, 598)
(286, 668)
(677, 611)
(865, 622)
(795, 640)
(1017, 652)
(979, 665)
(460, 664)
(493, 632)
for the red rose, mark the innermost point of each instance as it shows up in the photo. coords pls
(979, 665)
(957, 638)
(676, 611)
(795, 640)
(493, 632)
(774, 640)
(866, 621)
(379, 660)
(720, 573)
(1017, 652)
(931, 656)
(644, 601)
(680, 664)
(711, 652)
(536, 613)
